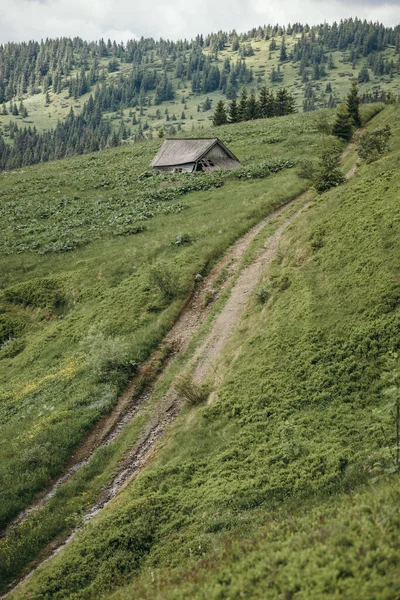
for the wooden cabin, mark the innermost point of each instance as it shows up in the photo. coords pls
(179, 155)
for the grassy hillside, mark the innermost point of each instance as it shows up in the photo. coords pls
(280, 486)
(85, 243)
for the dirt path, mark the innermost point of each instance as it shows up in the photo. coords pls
(234, 308)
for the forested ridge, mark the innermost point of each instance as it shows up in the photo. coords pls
(144, 75)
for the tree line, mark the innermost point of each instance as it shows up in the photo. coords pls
(75, 65)
(249, 107)
(78, 134)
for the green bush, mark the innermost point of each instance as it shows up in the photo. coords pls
(192, 392)
(9, 327)
(164, 280)
(108, 358)
(372, 145)
(262, 294)
(46, 292)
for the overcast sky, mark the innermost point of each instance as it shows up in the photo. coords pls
(125, 19)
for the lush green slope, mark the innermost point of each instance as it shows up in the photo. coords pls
(280, 486)
(79, 308)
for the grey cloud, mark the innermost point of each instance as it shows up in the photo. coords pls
(123, 19)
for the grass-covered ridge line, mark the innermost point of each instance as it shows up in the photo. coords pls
(269, 491)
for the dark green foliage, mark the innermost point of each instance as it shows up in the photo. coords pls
(249, 108)
(363, 76)
(36, 293)
(371, 145)
(262, 170)
(242, 106)
(220, 116)
(164, 280)
(343, 125)
(10, 327)
(263, 294)
(353, 105)
(233, 112)
(328, 174)
(252, 107)
(283, 53)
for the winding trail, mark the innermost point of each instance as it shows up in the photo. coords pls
(178, 338)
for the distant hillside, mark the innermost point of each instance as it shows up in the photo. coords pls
(121, 93)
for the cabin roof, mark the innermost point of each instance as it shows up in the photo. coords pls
(181, 151)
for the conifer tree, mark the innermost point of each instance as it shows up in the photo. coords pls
(220, 116)
(363, 76)
(285, 104)
(233, 111)
(331, 102)
(263, 102)
(252, 107)
(353, 105)
(283, 54)
(242, 107)
(342, 127)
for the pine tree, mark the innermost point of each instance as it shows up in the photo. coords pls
(242, 107)
(285, 104)
(363, 76)
(263, 101)
(252, 107)
(342, 127)
(220, 116)
(283, 55)
(206, 104)
(353, 105)
(331, 102)
(233, 111)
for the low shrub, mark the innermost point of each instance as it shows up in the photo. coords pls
(192, 392)
(262, 294)
(46, 292)
(108, 358)
(372, 145)
(164, 280)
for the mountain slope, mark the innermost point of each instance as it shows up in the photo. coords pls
(149, 85)
(280, 486)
